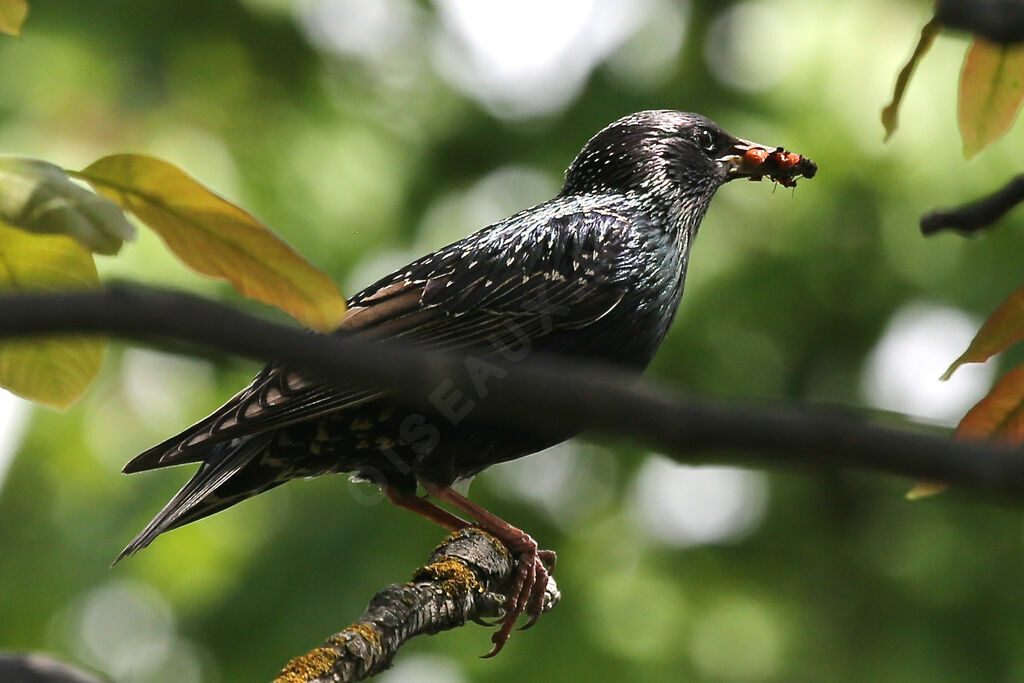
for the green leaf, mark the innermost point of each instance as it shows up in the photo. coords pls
(991, 90)
(1003, 329)
(891, 112)
(12, 16)
(54, 371)
(216, 238)
(40, 197)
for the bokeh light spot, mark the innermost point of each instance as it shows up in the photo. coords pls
(746, 47)
(531, 57)
(737, 639)
(917, 345)
(423, 668)
(682, 505)
(637, 615)
(14, 414)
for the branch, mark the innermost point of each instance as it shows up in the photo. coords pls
(41, 668)
(1001, 21)
(541, 396)
(462, 582)
(978, 214)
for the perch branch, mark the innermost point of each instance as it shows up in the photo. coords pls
(978, 214)
(463, 581)
(538, 395)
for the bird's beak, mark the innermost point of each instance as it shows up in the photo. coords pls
(746, 159)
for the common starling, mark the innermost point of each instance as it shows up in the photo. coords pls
(594, 274)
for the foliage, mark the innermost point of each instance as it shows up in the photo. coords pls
(991, 90)
(991, 93)
(52, 371)
(216, 238)
(208, 233)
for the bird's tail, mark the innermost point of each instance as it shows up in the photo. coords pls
(217, 484)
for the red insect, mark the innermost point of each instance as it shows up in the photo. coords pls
(755, 156)
(781, 166)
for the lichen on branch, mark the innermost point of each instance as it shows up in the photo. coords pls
(463, 581)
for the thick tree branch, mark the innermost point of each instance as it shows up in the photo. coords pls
(1001, 21)
(464, 581)
(978, 214)
(537, 395)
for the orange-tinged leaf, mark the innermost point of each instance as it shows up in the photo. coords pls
(1003, 329)
(891, 113)
(12, 16)
(53, 370)
(991, 90)
(216, 238)
(998, 417)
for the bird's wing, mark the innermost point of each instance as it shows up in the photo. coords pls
(519, 279)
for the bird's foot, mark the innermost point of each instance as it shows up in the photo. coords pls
(533, 568)
(526, 595)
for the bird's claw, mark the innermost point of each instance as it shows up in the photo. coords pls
(527, 593)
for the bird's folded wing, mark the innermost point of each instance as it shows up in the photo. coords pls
(472, 294)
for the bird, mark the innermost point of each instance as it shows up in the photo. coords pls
(594, 274)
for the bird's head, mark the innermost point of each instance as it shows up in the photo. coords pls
(675, 157)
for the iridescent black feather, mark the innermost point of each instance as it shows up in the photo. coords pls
(595, 273)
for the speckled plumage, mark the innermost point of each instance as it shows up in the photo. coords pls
(595, 273)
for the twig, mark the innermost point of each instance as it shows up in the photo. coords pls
(891, 112)
(462, 582)
(978, 214)
(545, 397)
(1001, 21)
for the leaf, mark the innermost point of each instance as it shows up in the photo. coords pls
(1003, 329)
(40, 197)
(12, 16)
(923, 489)
(54, 370)
(891, 112)
(991, 90)
(216, 238)
(998, 417)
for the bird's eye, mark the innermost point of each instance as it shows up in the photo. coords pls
(707, 142)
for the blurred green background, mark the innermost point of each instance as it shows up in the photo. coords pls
(368, 132)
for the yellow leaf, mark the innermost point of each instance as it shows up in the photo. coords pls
(12, 16)
(991, 90)
(216, 238)
(1004, 328)
(891, 113)
(39, 197)
(923, 489)
(54, 370)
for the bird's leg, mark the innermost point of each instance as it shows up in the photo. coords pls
(424, 508)
(532, 568)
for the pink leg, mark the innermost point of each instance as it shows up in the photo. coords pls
(533, 565)
(425, 508)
